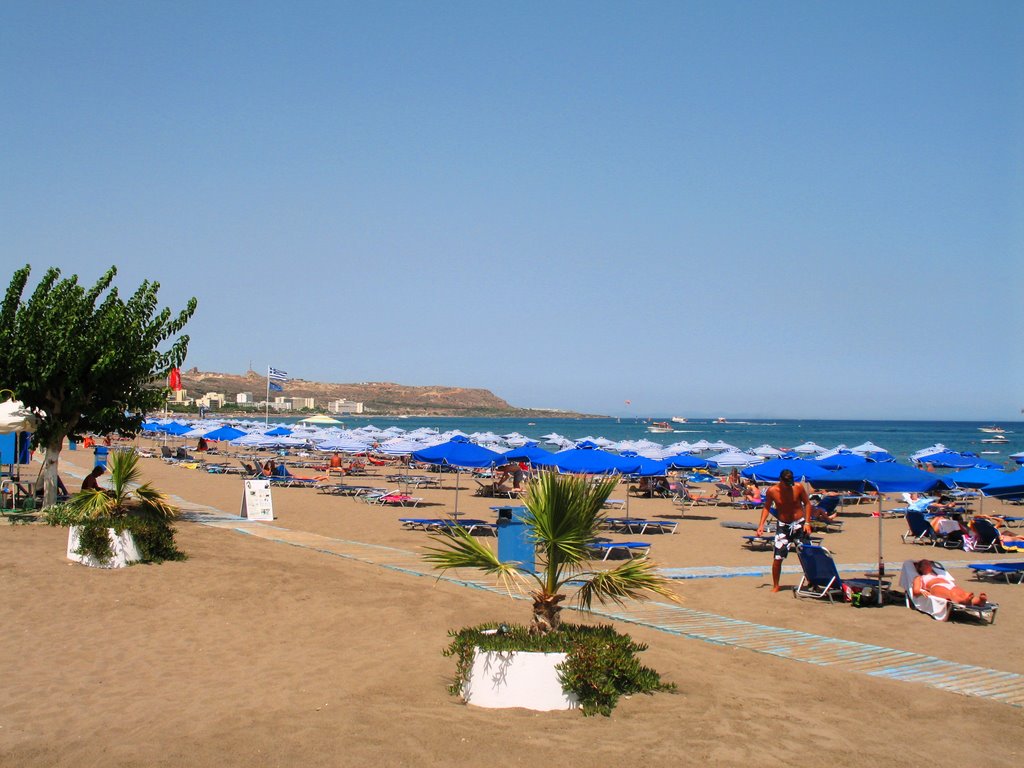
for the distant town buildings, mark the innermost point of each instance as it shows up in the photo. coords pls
(211, 400)
(244, 398)
(344, 406)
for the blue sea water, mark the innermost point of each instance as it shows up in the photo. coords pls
(901, 438)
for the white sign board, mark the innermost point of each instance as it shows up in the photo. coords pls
(256, 501)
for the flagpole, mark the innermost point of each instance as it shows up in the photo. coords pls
(266, 403)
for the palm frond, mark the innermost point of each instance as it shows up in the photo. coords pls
(458, 549)
(124, 471)
(91, 504)
(630, 580)
(153, 503)
(564, 512)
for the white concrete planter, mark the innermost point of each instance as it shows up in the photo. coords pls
(527, 679)
(123, 546)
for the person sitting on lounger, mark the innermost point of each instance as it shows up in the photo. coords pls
(335, 464)
(928, 582)
(752, 493)
(269, 468)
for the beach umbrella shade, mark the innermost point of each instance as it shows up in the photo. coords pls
(736, 459)
(767, 451)
(809, 447)
(688, 461)
(888, 477)
(865, 449)
(224, 433)
(278, 432)
(15, 417)
(770, 470)
(458, 452)
(1009, 486)
(321, 419)
(590, 461)
(840, 461)
(526, 453)
(953, 460)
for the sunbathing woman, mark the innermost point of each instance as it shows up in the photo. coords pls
(928, 582)
(752, 493)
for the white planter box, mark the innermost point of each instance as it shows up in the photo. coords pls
(123, 545)
(502, 679)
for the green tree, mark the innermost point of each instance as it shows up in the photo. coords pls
(86, 359)
(564, 512)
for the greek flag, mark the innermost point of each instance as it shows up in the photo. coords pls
(275, 375)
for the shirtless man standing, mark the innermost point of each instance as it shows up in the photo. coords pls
(793, 508)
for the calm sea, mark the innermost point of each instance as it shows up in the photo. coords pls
(901, 438)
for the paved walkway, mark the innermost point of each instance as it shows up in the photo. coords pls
(872, 660)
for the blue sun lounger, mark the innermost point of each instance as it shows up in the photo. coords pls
(638, 525)
(821, 577)
(628, 548)
(1013, 573)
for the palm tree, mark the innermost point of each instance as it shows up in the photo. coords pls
(125, 497)
(563, 512)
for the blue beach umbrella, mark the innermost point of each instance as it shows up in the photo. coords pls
(278, 432)
(590, 461)
(458, 452)
(801, 468)
(887, 477)
(689, 461)
(976, 477)
(526, 453)
(1008, 486)
(224, 433)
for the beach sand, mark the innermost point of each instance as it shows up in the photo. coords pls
(253, 652)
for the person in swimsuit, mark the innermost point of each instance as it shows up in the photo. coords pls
(928, 582)
(793, 509)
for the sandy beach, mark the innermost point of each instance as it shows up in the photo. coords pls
(253, 652)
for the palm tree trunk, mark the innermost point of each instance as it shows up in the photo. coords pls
(547, 614)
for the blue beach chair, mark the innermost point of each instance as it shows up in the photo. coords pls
(821, 578)
(1012, 573)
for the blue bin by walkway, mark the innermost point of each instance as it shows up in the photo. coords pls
(101, 455)
(515, 538)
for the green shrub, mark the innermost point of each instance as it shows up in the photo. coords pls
(601, 664)
(153, 538)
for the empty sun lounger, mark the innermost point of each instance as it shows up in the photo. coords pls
(635, 525)
(1012, 573)
(627, 548)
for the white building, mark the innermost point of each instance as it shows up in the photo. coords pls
(211, 400)
(179, 397)
(344, 406)
(299, 403)
(244, 398)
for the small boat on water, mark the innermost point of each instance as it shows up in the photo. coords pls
(679, 420)
(992, 429)
(720, 420)
(996, 438)
(659, 426)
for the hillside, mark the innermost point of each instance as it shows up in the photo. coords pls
(378, 397)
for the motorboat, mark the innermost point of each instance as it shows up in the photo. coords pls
(992, 429)
(659, 426)
(679, 420)
(720, 420)
(996, 438)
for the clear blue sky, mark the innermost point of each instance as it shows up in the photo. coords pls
(780, 209)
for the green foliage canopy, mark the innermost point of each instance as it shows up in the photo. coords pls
(89, 360)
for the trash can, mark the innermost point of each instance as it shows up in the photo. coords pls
(100, 452)
(515, 538)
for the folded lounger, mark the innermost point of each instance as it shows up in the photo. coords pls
(821, 577)
(936, 607)
(636, 525)
(629, 548)
(1013, 573)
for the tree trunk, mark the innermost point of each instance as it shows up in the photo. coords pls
(49, 472)
(547, 614)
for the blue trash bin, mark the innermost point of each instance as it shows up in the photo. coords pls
(100, 452)
(72, 445)
(515, 538)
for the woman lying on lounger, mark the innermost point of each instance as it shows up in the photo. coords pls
(928, 582)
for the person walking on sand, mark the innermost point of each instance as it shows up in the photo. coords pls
(793, 509)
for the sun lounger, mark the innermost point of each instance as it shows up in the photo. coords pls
(937, 607)
(919, 531)
(614, 503)
(1012, 573)
(821, 578)
(400, 500)
(635, 525)
(627, 548)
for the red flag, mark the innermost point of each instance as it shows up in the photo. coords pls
(174, 380)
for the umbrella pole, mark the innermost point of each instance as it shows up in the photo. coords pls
(455, 514)
(881, 559)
